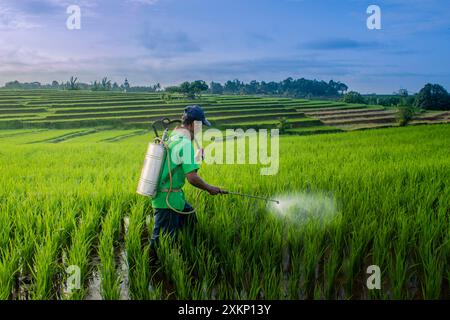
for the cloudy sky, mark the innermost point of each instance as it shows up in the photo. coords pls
(170, 41)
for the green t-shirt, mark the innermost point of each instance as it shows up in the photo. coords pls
(182, 161)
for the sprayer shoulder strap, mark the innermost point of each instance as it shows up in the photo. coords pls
(172, 172)
(166, 179)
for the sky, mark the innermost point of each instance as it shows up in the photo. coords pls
(171, 41)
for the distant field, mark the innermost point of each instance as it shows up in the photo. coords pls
(84, 109)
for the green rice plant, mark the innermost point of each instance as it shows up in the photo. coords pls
(141, 287)
(398, 266)
(382, 249)
(175, 267)
(137, 256)
(333, 261)
(358, 245)
(431, 255)
(45, 268)
(8, 267)
(205, 267)
(295, 289)
(272, 286)
(7, 224)
(51, 227)
(312, 254)
(110, 280)
(82, 246)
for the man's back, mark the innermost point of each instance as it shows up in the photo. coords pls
(182, 161)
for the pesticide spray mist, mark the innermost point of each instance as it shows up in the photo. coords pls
(304, 208)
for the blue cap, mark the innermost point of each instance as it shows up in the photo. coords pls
(196, 113)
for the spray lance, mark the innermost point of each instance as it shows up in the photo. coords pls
(153, 164)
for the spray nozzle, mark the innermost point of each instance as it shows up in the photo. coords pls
(253, 196)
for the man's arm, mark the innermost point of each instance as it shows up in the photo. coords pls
(198, 182)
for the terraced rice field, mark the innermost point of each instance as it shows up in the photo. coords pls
(351, 118)
(63, 109)
(68, 200)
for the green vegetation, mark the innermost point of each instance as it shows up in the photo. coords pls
(353, 97)
(86, 109)
(405, 114)
(68, 199)
(190, 90)
(434, 97)
(74, 203)
(430, 97)
(289, 87)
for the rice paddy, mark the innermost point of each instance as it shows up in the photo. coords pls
(68, 206)
(63, 110)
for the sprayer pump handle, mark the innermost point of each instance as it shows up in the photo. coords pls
(165, 122)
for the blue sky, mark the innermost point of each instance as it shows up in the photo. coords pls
(170, 41)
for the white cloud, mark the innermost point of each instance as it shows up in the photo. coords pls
(146, 2)
(65, 3)
(11, 19)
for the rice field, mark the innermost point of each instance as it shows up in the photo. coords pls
(83, 109)
(68, 203)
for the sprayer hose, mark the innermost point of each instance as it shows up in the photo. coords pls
(171, 181)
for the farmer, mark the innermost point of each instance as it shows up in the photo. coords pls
(172, 212)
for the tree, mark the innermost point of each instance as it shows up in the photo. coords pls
(433, 96)
(283, 125)
(126, 85)
(156, 87)
(106, 84)
(95, 86)
(405, 112)
(198, 86)
(342, 87)
(55, 84)
(173, 89)
(216, 88)
(353, 97)
(189, 89)
(72, 83)
(185, 89)
(232, 86)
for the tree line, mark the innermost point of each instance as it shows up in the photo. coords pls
(104, 84)
(430, 97)
(299, 88)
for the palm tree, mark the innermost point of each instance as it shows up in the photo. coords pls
(72, 83)
(95, 86)
(106, 84)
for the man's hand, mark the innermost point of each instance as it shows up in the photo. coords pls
(215, 191)
(197, 182)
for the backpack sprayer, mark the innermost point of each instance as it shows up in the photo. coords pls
(154, 159)
(157, 153)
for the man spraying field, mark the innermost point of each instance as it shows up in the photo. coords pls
(172, 212)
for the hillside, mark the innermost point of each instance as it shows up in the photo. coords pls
(81, 109)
